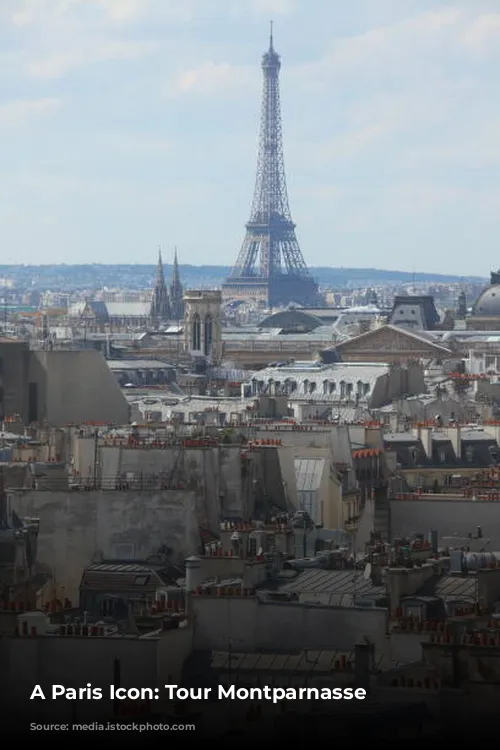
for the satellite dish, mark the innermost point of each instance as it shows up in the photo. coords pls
(367, 571)
(260, 553)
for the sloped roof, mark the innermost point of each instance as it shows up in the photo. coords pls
(116, 576)
(422, 337)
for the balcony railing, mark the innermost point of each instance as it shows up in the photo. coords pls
(138, 482)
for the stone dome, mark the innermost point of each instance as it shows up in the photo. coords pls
(488, 303)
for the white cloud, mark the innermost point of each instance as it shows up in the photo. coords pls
(420, 43)
(211, 78)
(396, 41)
(19, 113)
(138, 142)
(124, 10)
(47, 12)
(278, 7)
(482, 32)
(57, 65)
(409, 199)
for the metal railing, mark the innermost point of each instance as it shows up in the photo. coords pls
(139, 482)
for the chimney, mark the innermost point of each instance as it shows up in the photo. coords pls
(425, 436)
(364, 658)
(455, 435)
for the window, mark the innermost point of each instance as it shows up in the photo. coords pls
(141, 580)
(107, 607)
(196, 334)
(208, 334)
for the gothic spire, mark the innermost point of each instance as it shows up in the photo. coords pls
(176, 291)
(160, 304)
(160, 276)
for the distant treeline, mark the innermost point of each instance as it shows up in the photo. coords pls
(142, 275)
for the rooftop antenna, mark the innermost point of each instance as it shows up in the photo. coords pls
(271, 35)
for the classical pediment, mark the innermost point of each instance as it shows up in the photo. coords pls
(392, 339)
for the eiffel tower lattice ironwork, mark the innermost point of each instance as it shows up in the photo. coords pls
(270, 266)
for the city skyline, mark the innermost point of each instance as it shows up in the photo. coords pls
(126, 125)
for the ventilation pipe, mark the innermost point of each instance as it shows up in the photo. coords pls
(235, 543)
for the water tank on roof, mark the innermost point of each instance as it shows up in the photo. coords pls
(193, 573)
(478, 560)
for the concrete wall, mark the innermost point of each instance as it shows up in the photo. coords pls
(14, 377)
(406, 648)
(211, 473)
(366, 526)
(76, 526)
(76, 386)
(403, 582)
(247, 625)
(287, 468)
(396, 382)
(75, 661)
(449, 517)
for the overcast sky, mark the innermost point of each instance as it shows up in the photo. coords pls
(125, 124)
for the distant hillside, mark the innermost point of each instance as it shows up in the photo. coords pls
(139, 276)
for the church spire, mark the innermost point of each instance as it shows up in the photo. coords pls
(160, 276)
(176, 291)
(160, 304)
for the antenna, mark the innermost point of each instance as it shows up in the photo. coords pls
(367, 571)
(271, 35)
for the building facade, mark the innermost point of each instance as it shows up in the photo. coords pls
(202, 324)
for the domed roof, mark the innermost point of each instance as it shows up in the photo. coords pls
(488, 303)
(292, 321)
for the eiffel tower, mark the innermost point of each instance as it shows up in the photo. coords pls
(270, 267)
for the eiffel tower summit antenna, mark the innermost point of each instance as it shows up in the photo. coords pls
(270, 267)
